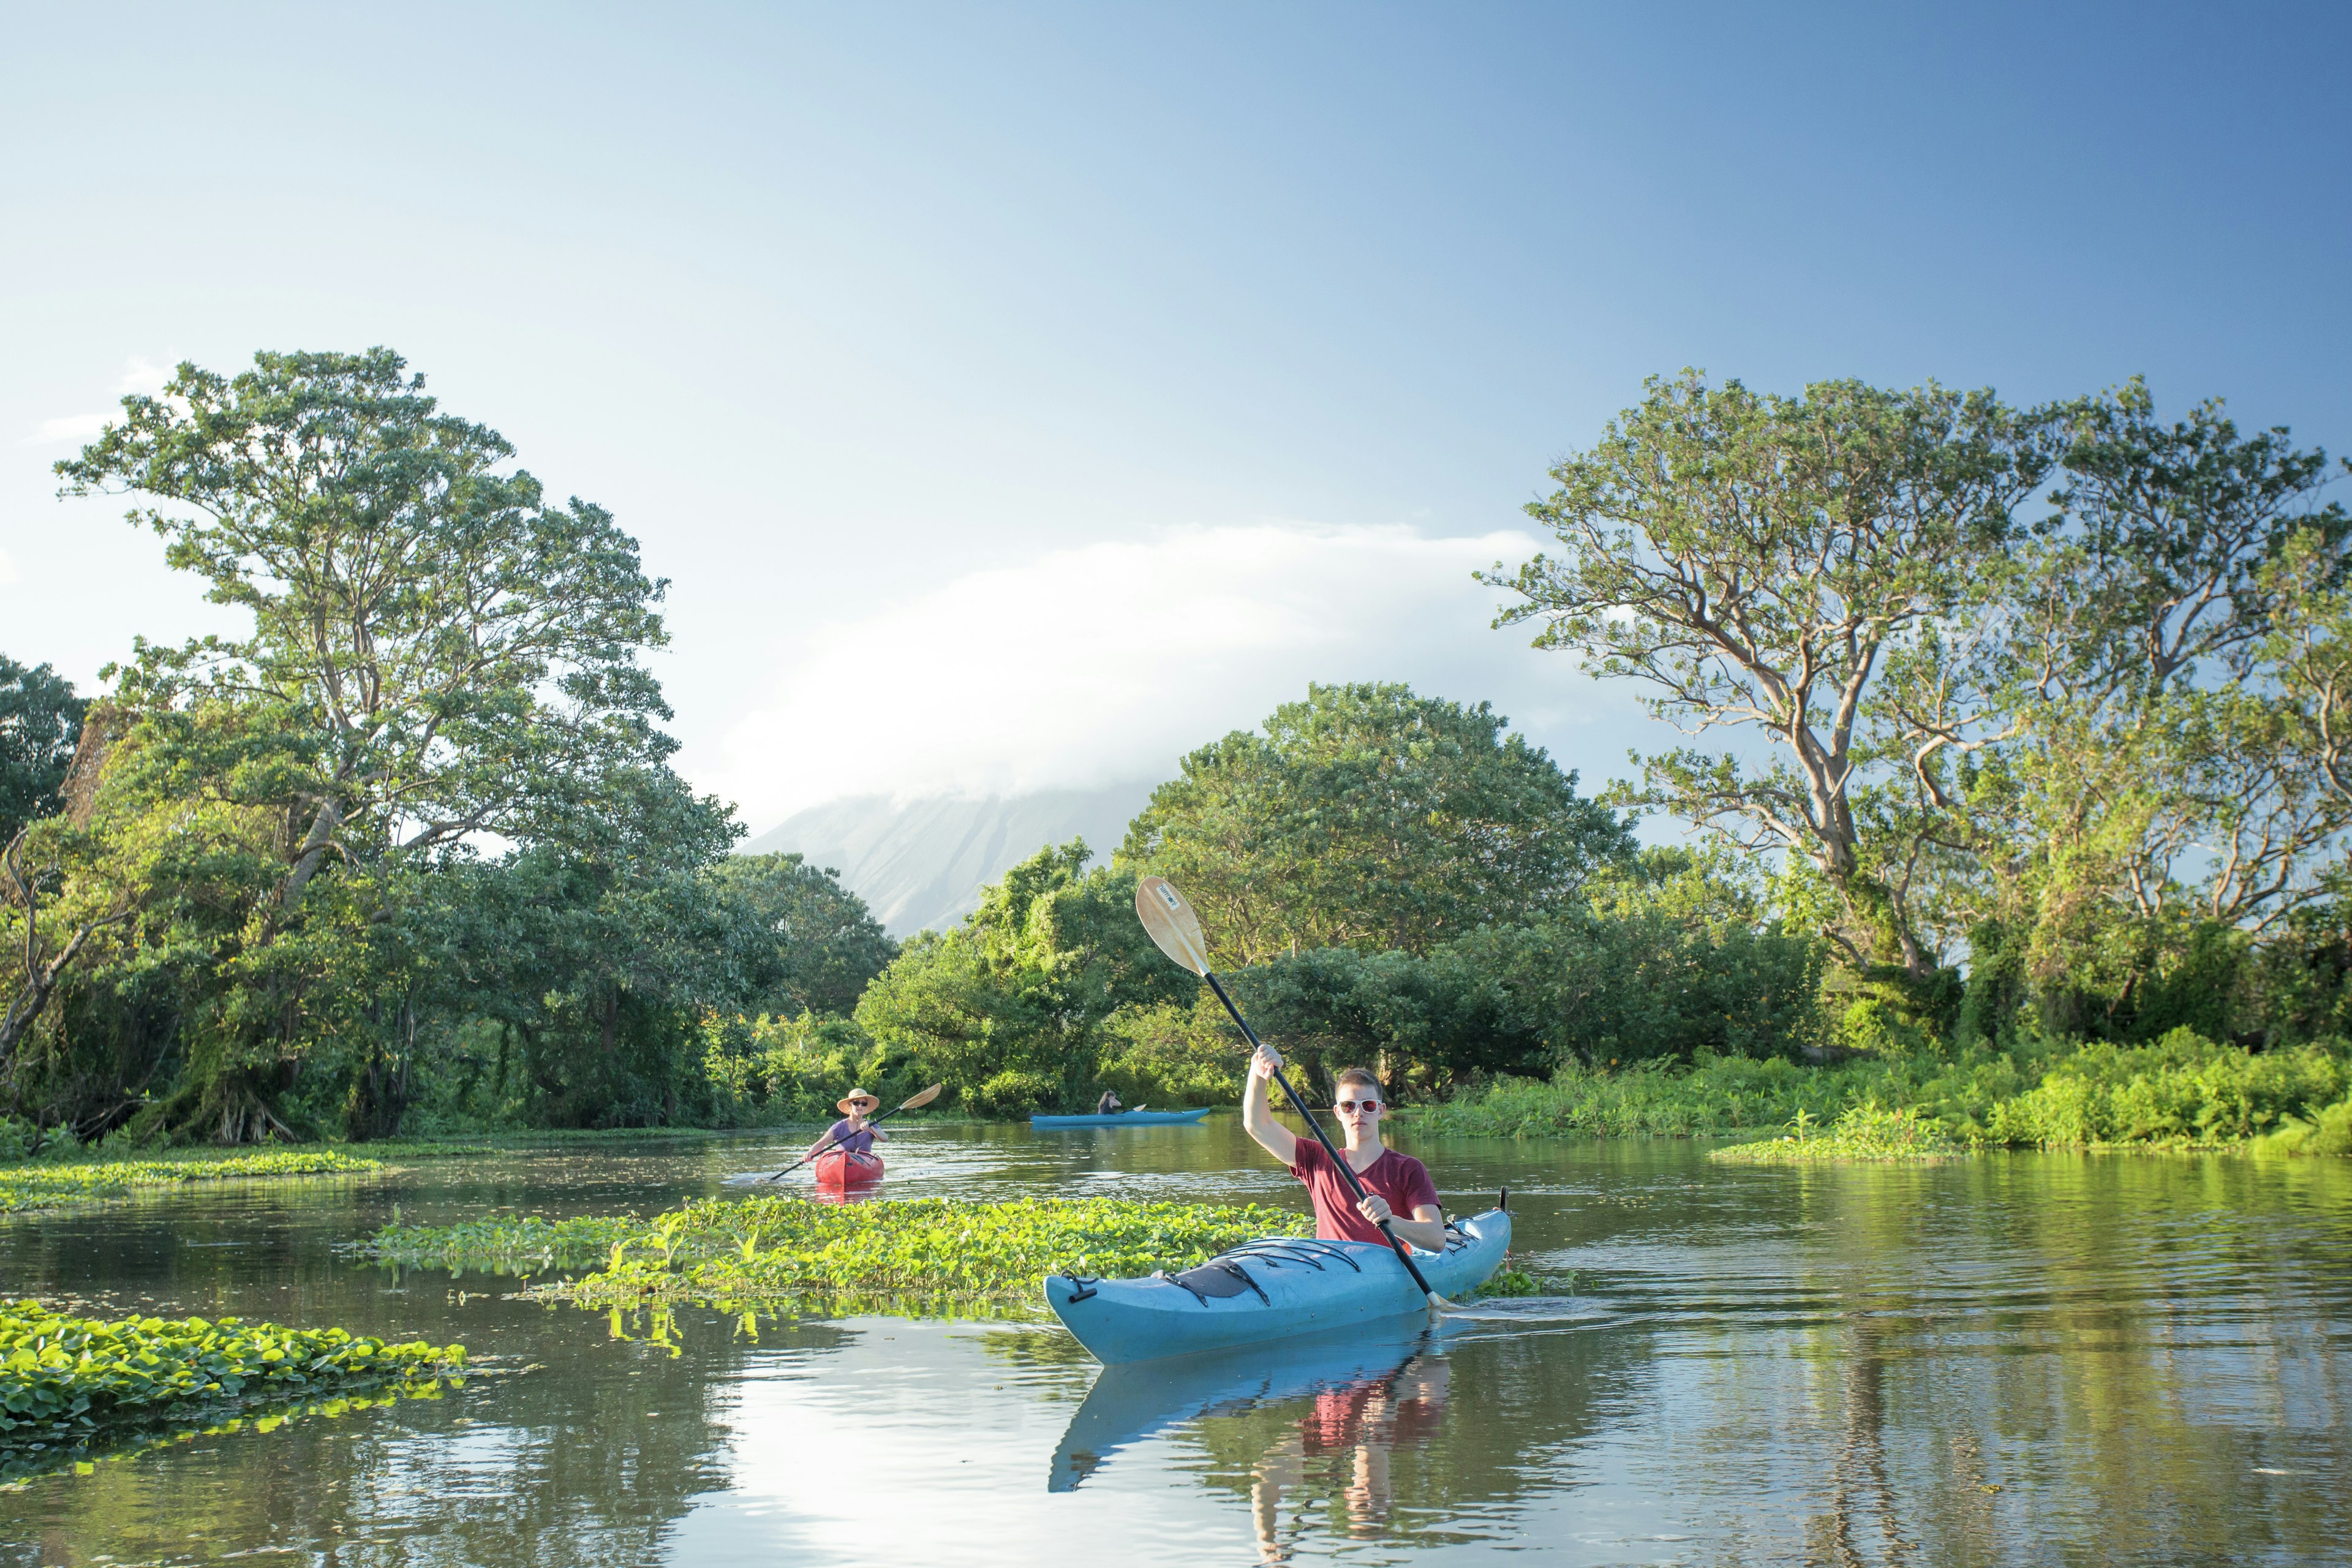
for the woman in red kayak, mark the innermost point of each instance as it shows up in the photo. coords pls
(1397, 1187)
(852, 1132)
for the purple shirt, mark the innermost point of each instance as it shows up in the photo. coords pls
(860, 1142)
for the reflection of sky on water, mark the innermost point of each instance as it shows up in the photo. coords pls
(2020, 1358)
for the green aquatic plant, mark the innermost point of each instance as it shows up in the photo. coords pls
(1864, 1132)
(762, 1251)
(45, 1184)
(71, 1385)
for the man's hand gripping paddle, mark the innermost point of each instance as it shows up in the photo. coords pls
(1177, 931)
(916, 1102)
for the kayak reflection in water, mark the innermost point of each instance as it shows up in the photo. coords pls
(852, 1131)
(1397, 1187)
(1355, 1428)
(1108, 1105)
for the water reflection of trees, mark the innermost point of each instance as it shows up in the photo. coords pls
(589, 1460)
(2025, 1352)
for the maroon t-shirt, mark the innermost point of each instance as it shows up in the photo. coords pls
(1403, 1180)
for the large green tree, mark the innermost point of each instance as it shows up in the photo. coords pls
(1798, 574)
(437, 653)
(1369, 816)
(2044, 688)
(459, 653)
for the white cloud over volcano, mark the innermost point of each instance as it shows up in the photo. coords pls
(1108, 662)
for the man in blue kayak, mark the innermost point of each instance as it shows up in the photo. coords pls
(1108, 1105)
(1397, 1187)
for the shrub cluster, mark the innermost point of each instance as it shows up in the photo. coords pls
(2183, 1090)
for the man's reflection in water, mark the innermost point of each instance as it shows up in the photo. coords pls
(1349, 1433)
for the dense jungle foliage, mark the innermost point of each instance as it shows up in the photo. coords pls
(411, 854)
(2011, 737)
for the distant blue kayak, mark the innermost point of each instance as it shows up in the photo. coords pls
(1272, 1288)
(1124, 1118)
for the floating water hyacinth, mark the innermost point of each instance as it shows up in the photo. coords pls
(933, 1251)
(929, 1256)
(68, 1385)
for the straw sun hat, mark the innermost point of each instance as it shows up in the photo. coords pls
(856, 1102)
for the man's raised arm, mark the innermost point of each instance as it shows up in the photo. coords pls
(1257, 1117)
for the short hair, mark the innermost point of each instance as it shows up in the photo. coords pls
(1358, 1076)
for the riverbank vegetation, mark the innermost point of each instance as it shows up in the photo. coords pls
(2182, 1090)
(2012, 791)
(53, 1184)
(71, 1386)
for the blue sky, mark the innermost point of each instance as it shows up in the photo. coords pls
(926, 348)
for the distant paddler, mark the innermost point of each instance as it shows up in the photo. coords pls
(853, 1133)
(1108, 1105)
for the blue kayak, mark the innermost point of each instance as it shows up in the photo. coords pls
(1124, 1118)
(1271, 1288)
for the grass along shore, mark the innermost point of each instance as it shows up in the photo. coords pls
(1866, 1133)
(2182, 1092)
(60, 1176)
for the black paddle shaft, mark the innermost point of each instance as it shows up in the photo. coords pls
(1355, 1183)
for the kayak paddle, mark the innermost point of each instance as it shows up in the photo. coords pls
(915, 1103)
(1177, 931)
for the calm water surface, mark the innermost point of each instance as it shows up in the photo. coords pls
(2022, 1358)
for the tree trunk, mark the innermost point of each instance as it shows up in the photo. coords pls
(41, 978)
(313, 850)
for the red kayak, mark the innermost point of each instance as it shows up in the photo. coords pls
(841, 1168)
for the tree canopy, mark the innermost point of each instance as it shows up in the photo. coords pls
(827, 946)
(40, 722)
(443, 667)
(1011, 1004)
(440, 650)
(1367, 816)
(2052, 680)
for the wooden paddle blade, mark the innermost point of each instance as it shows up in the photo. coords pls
(921, 1100)
(1171, 923)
